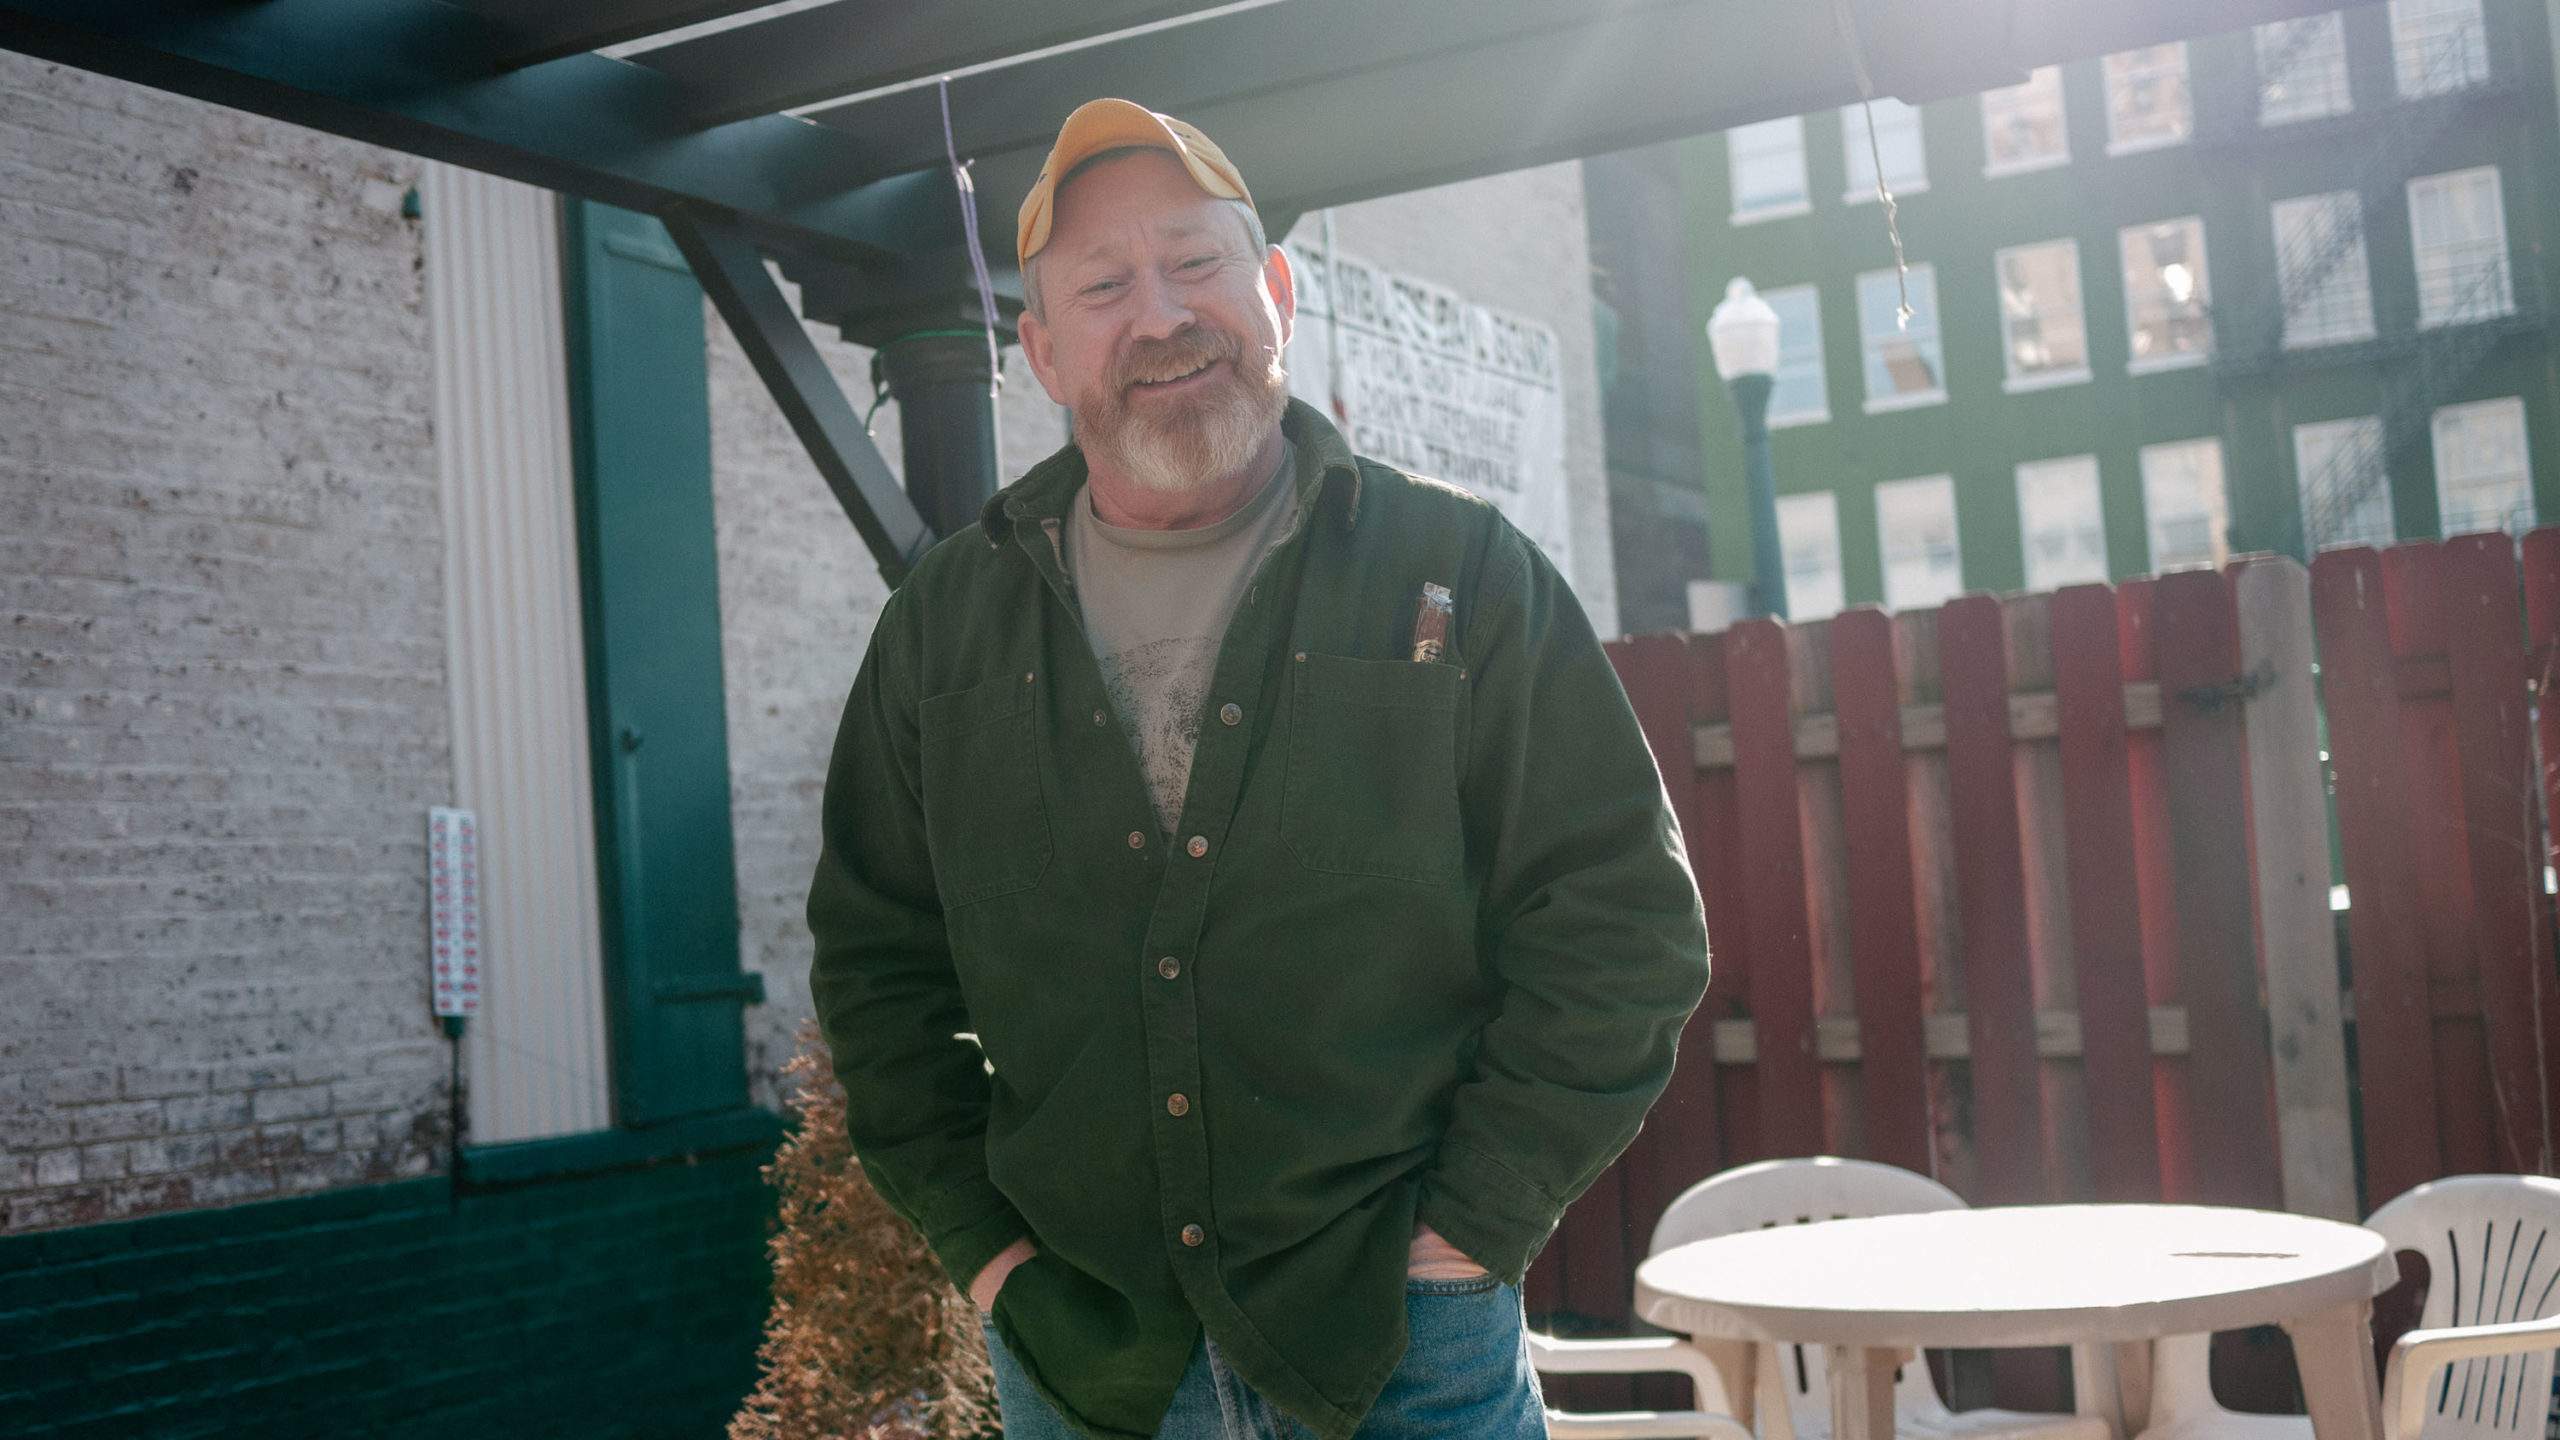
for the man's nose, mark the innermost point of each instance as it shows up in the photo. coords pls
(1161, 308)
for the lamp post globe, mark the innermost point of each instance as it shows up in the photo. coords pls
(1743, 333)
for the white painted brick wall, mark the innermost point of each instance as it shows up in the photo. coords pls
(221, 662)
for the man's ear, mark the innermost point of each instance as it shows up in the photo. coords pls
(1282, 286)
(1038, 347)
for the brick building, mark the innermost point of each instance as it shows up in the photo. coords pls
(2277, 288)
(306, 460)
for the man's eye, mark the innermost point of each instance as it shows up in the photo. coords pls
(1198, 261)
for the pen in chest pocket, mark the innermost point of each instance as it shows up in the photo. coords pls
(1431, 624)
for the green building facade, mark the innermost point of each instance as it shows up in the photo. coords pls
(2269, 290)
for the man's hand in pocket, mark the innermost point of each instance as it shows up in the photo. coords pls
(991, 1278)
(1433, 1258)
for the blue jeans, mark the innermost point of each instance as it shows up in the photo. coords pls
(1465, 1376)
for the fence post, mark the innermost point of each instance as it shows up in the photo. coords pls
(2485, 651)
(1760, 675)
(1991, 902)
(1884, 940)
(2371, 757)
(2203, 762)
(2542, 631)
(2106, 893)
(2289, 815)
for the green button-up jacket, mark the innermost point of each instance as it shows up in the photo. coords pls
(1420, 948)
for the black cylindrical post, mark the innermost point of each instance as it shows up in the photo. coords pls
(946, 423)
(1760, 476)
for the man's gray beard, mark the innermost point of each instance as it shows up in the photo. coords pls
(1202, 443)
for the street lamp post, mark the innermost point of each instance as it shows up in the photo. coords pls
(1743, 332)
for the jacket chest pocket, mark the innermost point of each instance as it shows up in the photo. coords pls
(1372, 782)
(986, 825)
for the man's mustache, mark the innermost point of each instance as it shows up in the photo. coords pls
(1175, 356)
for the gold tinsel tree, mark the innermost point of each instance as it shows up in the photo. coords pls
(867, 1339)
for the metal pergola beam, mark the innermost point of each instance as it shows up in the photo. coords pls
(854, 45)
(1325, 102)
(1284, 48)
(1322, 102)
(733, 275)
(428, 78)
(540, 30)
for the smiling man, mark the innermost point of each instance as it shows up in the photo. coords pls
(1247, 911)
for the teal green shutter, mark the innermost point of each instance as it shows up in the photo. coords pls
(649, 568)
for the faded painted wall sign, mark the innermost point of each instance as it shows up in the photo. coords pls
(1428, 381)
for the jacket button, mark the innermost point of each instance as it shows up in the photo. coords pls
(1168, 967)
(1098, 720)
(1231, 712)
(1177, 1104)
(1193, 1234)
(1137, 841)
(1198, 847)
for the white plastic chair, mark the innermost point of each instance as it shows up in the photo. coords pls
(2479, 1365)
(1792, 1386)
(1649, 1355)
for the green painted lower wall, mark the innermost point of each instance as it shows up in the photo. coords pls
(608, 1305)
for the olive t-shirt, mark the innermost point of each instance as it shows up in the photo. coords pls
(1156, 605)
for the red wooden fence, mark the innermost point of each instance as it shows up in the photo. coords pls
(2003, 892)
(2441, 807)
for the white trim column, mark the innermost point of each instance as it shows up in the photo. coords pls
(535, 1056)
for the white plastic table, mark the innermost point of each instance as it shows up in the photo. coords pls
(2089, 1276)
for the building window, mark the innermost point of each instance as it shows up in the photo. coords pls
(2346, 491)
(1767, 161)
(2022, 125)
(1809, 538)
(1916, 526)
(2484, 480)
(1906, 167)
(2147, 98)
(2166, 302)
(2060, 522)
(2320, 268)
(2437, 46)
(2183, 502)
(2302, 69)
(1799, 395)
(1904, 366)
(2458, 230)
(2041, 326)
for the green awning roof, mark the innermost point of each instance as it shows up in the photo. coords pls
(1320, 102)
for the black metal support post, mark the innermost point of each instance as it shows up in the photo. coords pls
(946, 422)
(928, 328)
(732, 273)
(1760, 477)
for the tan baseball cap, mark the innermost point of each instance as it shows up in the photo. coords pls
(1099, 125)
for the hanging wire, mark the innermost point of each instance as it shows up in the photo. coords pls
(969, 229)
(1333, 324)
(1875, 153)
(879, 390)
